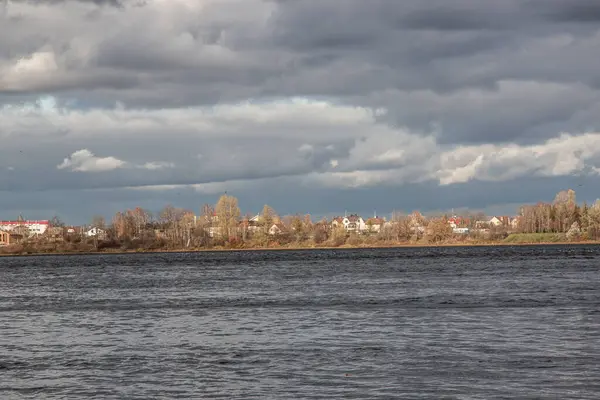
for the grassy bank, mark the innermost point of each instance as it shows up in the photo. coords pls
(532, 238)
(512, 240)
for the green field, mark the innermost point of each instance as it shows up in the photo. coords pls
(536, 238)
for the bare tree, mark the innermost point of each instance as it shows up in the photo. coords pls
(57, 222)
(99, 222)
(401, 227)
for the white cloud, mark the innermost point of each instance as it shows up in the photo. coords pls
(298, 116)
(204, 188)
(306, 148)
(154, 165)
(565, 155)
(22, 71)
(331, 144)
(85, 161)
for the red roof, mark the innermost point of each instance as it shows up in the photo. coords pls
(459, 220)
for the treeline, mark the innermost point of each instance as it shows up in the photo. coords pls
(563, 215)
(223, 226)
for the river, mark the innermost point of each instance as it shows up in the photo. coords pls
(456, 323)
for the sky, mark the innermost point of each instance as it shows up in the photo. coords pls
(320, 107)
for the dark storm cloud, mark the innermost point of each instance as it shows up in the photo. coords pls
(355, 52)
(288, 197)
(570, 11)
(114, 3)
(145, 83)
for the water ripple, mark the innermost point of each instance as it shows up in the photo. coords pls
(468, 323)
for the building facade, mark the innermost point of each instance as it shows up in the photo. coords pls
(4, 238)
(34, 227)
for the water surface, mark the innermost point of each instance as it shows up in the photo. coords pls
(464, 323)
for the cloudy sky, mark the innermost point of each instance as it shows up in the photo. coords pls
(314, 106)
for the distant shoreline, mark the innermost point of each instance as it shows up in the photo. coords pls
(300, 248)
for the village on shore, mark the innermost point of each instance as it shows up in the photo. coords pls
(223, 227)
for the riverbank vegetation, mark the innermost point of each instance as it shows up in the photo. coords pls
(222, 227)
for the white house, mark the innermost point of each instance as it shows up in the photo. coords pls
(375, 224)
(254, 224)
(95, 232)
(495, 221)
(351, 223)
(460, 231)
(276, 229)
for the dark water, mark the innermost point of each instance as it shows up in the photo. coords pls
(464, 323)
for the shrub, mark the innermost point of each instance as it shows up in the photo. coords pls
(574, 233)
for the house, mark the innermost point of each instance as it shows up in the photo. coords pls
(375, 224)
(95, 232)
(55, 231)
(351, 223)
(458, 222)
(72, 230)
(499, 221)
(354, 223)
(4, 238)
(55, 234)
(213, 231)
(460, 231)
(253, 224)
(514, 223)
(25, 227)
(336, 222)
(277, 229)
(482, 225)
(495, 221)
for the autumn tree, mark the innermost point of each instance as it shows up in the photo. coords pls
(227, 213)
(267, 217)
(416, 219)
(307, 221)
(170, 218)
(438, 230)
(298, 228)
(338, 236)
(320, 231)
(584, 217)
(186, 226)
(207, 212)
(401, 227)
(204, 224)
(121, 226)
(593, 221)
(565, 206)
(140, 219)
(574, 233)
